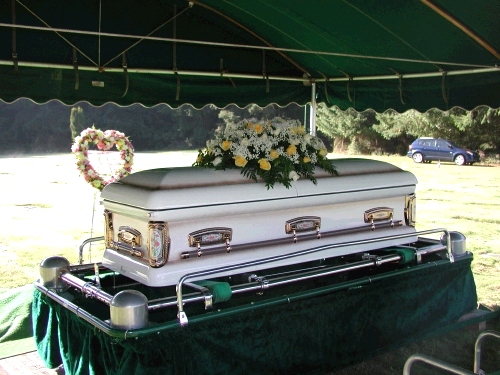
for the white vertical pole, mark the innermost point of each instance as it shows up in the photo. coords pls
(312, 114)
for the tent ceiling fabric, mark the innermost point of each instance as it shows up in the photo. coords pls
(361, 54)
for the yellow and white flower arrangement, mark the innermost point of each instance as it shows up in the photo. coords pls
(276, 151)
(104, 141)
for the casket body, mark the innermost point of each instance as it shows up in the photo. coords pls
(163, 224)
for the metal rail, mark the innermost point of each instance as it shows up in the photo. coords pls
(477, 349)
(449, 367)
(87, 288)
(435, 363)
(105, 326)
(265, 282)
(87, 241)
(182, 317)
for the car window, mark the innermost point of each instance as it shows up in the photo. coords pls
(443, 144)
(427, 142)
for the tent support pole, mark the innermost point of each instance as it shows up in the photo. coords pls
(312, 114)
(245, 75)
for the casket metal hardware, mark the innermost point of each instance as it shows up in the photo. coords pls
(120, 246)
(108, 223)
(410, 210)
(158, 243)
(379, 214)
(210, 236)
(130, 235)
(285, 240)
(303, 224)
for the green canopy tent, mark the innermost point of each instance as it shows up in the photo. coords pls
(350, 53)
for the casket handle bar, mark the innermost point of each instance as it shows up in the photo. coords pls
(131, 249)
(303, 224)
(286, 240)
(210, 236)
(182, 317)
(377, 214)
(128, 239)
(130, 236)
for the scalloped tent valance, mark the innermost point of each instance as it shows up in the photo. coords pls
(354, 53)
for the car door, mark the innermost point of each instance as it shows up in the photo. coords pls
(429, 149)
(444, 150)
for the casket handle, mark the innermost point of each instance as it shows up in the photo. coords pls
(129, 235)
(379, 214)
(210, 236)
(303, 224)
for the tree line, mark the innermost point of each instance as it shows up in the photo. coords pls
(370, 132)
(27, 127)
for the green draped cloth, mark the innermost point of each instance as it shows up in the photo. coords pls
(307, 335)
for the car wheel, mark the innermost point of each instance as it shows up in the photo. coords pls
(417, 157)
(459, 160)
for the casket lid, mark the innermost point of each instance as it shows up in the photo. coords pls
(169, 188)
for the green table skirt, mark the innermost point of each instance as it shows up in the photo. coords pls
(308, 335)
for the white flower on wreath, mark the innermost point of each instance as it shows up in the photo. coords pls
(104, 141)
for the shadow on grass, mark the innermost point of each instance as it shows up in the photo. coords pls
(456, 348)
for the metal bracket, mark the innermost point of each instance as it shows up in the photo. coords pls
(182, 318)
(206, 294)
(264, 283)
(374, 258)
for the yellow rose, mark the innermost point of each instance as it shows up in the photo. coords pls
(273, 154)
(299, 130)
(306, 159)
(291, 150)
(225, 145)
(322, 152)
(258, 128)
(264, 164)
(240, 161)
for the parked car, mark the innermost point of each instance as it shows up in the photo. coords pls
(426, 150)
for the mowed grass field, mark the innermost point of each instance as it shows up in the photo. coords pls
(47, 209)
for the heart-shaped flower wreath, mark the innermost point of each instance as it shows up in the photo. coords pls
(104, 141)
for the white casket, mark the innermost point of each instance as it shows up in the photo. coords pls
(162, 224)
